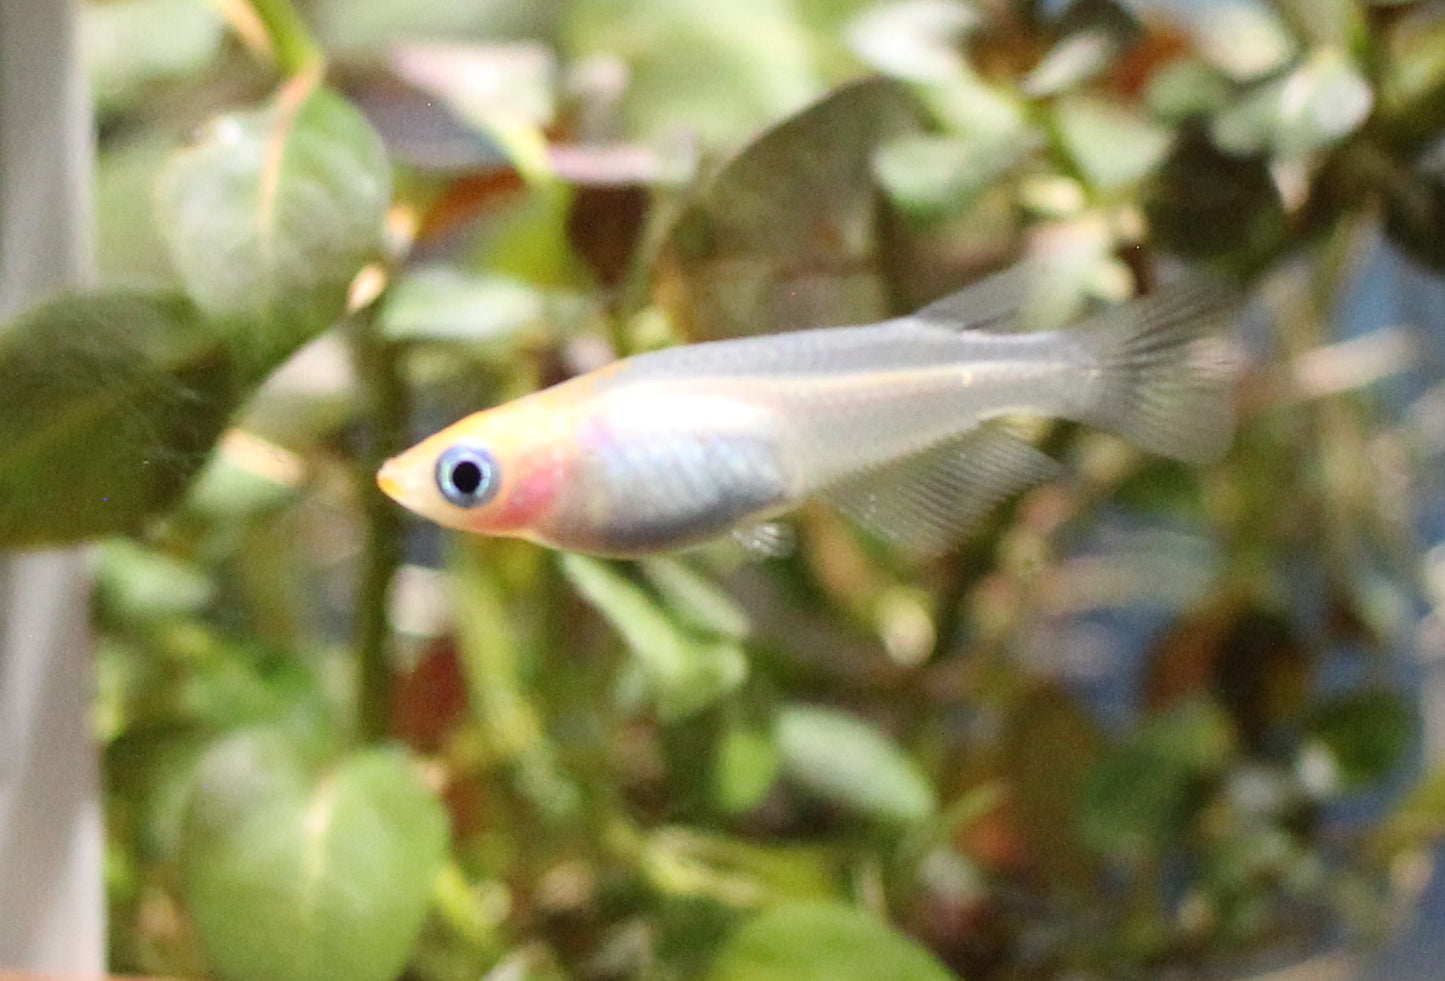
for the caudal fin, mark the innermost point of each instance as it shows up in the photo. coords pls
(1164, 377)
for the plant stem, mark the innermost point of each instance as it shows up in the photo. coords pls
(385, 409)
(296, 50)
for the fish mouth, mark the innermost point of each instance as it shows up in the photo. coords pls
(388, 478)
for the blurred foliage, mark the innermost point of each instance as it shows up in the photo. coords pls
(339, 744)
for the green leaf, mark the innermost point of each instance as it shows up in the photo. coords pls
(684, 671)
(842, 759)
(822, 942)
(1314, 107)
(130, 246)
(1420, 818)
(747, 764)
(1110, 144)
(930, 176)
(1367, 734)
(367, 30)
(446, 304)
(272, 213)
(112, 402)
(1246, 39)
(698, 602)
(137, 584)
(290, 878)
(681, 54)
(131, 43)
(1186, 88)
(1140, 795)
(921, 41)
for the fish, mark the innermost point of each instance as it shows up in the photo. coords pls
(908, 426)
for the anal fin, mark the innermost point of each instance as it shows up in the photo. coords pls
(928, 502)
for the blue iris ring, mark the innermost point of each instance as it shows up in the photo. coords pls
(467, 476)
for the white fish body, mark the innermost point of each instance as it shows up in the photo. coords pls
(891, 421)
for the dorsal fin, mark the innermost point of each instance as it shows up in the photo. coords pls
(926, 503)
(989, 304)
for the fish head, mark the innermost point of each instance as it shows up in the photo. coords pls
(496, 472)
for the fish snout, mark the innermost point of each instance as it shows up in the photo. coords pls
(391, 479)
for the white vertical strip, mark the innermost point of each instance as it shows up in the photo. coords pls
(51, 841)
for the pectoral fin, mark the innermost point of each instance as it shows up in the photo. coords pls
(928, 502)
(769, 540)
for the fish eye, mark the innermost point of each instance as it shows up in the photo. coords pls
(467, 476)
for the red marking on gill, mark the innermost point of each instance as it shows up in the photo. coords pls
(530, 496)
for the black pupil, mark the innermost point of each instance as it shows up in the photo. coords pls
(467, 477)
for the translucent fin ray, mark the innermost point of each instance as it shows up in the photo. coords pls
(1163, 375)
(928, 502)
(990, 304)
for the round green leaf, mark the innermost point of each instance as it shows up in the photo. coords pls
(294, 879)
(847, 761)
(270, 216)
(112, 402)
(822, 942)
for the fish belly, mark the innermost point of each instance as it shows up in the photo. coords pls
(658, 473)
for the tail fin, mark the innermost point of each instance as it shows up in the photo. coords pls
(1164, 378)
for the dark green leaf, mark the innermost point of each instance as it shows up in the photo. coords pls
(822, 942)
(270, 216)
(112, 402)
(1420, 817)
(787, 234)
(1415, 212)
(1366, 733)
(291, 878)
(1203, 202)
(1142, 793)
(1050, 744)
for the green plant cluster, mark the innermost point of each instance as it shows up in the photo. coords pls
(340, 745)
